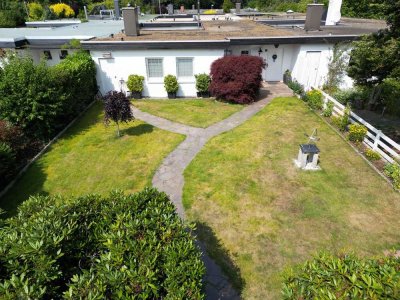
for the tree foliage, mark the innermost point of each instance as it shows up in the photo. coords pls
(117, 108)
(42, 99)
(344, 277)
(236, 78)
(92, 247)
(12, 13)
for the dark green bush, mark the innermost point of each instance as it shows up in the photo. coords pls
(202, 82)
(344, 277)
(76, 76)
(93, 247)
(391, 96)
(7, 161)
(29, 96)
(351, 95)
(12, 14)
(135, 83)
(41, 99)
(314, 99)
(296, 87)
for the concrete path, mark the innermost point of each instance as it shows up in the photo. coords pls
(169, 176)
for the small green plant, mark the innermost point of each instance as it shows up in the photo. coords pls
(357, 132)
(372, 155)
(171, 84)
(296, 87)
(342, 121)
(328, 109)
(344, 277)
(135, 83)
(314, 99)
(393, 172)
(227, 5)
(202, 82)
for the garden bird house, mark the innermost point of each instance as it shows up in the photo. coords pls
(308, 157)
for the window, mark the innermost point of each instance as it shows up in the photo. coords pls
(154, 67)
(47, 54)
(63, 54)
(244, 52)
(184, 67)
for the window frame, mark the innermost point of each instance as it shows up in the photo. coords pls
(177, 67)
(148, 68)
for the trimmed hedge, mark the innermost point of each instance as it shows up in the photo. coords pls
(236, 78)
(93, 247)
(344, 277)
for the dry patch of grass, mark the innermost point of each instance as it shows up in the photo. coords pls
(195, 112)
(89, 158)
(268, 215)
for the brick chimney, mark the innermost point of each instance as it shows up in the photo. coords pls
(131, 21)
(313, 17)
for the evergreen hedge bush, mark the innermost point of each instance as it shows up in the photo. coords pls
(344, 277)
(92, 247)
(236, 78)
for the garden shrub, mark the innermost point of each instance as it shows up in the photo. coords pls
(357, 132)
(202, 82)
(227, 5)
(75, 75)
(7, 161)
(36, 11)
(29, 96)
(391, 96)
(62, 10)
(328, 111)
(92, 247)
(314, 99)
(343, 121)
(236, 78)
(344, 277)
(171, 84)
(372, 155)
(393, 172)
(12, 14)
(135, 83)
(351, 95)
(210, 12)
(296, 87)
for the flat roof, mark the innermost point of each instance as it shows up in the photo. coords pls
(56, 36)
(217, 33)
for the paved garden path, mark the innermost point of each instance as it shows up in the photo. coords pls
(169, 176)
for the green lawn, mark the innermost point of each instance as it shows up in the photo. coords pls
(194, 112)
(255, 210)
(89, 158)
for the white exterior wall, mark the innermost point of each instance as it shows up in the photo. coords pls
(124, 63)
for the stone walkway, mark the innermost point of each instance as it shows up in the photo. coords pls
(169, 177)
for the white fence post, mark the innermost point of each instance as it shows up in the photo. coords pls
(376, 140)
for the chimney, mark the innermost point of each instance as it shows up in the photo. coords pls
(131, 21)
(334, 14)
(313, 17)
(116, 8)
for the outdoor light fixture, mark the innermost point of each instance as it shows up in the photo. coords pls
(276, 45)
(259, 52)
(274, 57)
(121, 83)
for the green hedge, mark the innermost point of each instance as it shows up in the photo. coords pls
(41, 99)
(344, 277)
(92, 247)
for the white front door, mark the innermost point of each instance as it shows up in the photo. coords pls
(312, 67)
(274, 59)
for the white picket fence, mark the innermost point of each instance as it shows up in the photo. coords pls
(375, 139)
